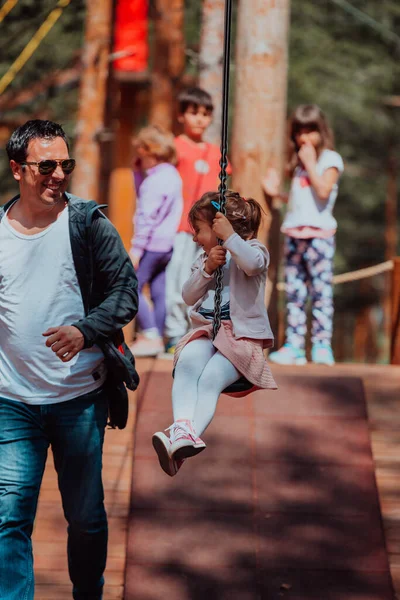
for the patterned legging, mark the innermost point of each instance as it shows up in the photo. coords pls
(308, 272)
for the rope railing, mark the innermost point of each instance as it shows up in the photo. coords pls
(355, 275)
(32, 45)
(5, 9)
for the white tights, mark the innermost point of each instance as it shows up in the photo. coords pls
(200, 376)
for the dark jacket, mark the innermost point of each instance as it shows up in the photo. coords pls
(107, 281)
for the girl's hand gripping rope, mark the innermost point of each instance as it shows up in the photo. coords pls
(216, 258)
(222, 227)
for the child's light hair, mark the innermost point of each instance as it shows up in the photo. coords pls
(158, 142)
(308, 116)
(244, 214)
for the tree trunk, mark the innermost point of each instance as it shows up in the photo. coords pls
(210, 61)
(169, 60)
(260, 98)
(260, 110)
(92, 98)
(122, 196)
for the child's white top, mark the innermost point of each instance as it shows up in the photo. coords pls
(247, 278)
(208, 300)
(305, 208)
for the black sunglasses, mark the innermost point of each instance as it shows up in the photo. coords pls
(46, 167)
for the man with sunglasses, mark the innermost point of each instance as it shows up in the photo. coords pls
(67, 287)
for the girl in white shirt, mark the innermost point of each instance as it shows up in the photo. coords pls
(204, 366)
(309, 228)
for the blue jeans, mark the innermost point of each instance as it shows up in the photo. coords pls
(75, 431)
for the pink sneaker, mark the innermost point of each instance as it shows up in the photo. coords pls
(162, 445)
(145, 346)
(184, 441)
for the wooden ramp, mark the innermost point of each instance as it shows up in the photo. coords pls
(283, 502)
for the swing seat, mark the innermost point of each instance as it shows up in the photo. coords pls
(239, 386)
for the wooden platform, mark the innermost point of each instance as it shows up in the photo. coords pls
(155, 495)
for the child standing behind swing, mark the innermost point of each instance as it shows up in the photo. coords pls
(198, 165)
(309, 229)
(159, 209)
(205, 367)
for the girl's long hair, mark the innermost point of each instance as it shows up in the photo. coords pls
(312, 117)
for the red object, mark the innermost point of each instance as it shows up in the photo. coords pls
(304, 181)
(131, 35)
(198, 165)
(121, 349)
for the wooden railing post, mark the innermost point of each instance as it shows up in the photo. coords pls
(395, 320)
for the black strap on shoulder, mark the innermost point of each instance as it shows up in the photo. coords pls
(88, 235)
(7, 205)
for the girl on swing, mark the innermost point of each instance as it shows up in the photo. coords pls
(205, 367)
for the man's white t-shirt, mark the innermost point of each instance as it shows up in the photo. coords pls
(304, 206)
(39, 289)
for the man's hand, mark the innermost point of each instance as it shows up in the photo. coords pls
(216, 258)
(308, 156)
(222, 227)
(66, 341)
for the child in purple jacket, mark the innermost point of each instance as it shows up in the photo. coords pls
(158, 213)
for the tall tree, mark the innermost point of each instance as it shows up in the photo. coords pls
(169, 60)
(260, 97)
(92, 98)
(210, 60)
(260, 112)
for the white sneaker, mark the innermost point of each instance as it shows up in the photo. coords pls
(184, 441)
(145, 346)
(321, 354)
(288, 355)
(162, 445)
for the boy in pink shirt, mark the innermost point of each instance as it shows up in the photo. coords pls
(198, 166)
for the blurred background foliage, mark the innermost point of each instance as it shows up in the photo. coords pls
(336, 60)
(59, 50)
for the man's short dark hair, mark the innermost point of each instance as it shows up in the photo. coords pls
(196, 97)
(17, 146)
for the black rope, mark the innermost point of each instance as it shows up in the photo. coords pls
(224, 156)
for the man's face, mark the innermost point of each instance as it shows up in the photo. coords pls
(195, 121)
(46, 189)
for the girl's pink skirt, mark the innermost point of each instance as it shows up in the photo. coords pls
(244, 353)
